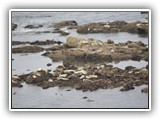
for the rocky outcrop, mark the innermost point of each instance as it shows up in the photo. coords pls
(116, 26)
(89, 78)
(80, 49)
(27, 49)
(64, 24)
(33, 26)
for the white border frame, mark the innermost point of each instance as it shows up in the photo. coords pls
(67, 10)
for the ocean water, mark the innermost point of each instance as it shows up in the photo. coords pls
(35, 97)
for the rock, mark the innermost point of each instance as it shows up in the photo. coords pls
(74, 41)
(129, 68)
(16, 84)
(84, 97)
(109, 41)
(49, 64)
(127, 87)
(142, 28)
(33, 26)
(27, 49)
(68, 90)
(14, 26)
(19, 42)
(65, 23)
(144, 90)
(147, 66)
(73, 77)
(77, 86)
(47, 42)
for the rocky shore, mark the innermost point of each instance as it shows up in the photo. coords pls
(88, 77)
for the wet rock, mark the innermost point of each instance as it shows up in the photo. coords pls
(129, 68)
(147, 66)
(68, 90)
(144, 90)
(16, 84)
(84, 97)
(47, 42)
(142, 27)
(127, 87)
(115, 26)
(33, 26)
(109, 41)
(74, 42)
(27, 49)
(49, 64)
(65, 23)
(19, 42)
(73, 77)
(14, 26)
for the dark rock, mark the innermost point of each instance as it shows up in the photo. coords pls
(33, 26)
(47, 42)
(127, 87)
(14, 26)
(19, 42)
(109, 41)
(147, 67)
(68, 90)
(144, 90)
(65, 23)
(27, 49)
(84, 97)
(129, 68)
(16, 84)
(49, 64)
